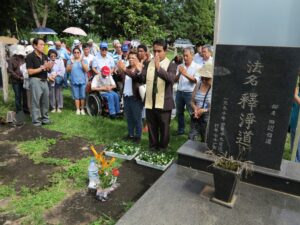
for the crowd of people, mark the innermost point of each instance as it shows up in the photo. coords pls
(145, 83)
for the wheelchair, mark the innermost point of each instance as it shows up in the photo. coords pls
(96, 105)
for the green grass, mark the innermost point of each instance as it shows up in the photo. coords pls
(104, 220)
(7, 191)
(32, 205)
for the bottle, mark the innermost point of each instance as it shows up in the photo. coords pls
(93, 175)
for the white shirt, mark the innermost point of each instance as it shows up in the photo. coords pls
(100, 81)
(185, 84)
(198, 59)
(89, 59)
(128, 86)
(210, 61)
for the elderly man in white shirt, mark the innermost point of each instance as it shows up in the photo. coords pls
(104, 83)
(187, 78)
(206, 56)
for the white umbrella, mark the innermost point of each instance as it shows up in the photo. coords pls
(75, 31)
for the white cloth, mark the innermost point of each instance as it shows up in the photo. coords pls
(185, 84)
(128, 86)
(198, 59)
(100, 81)
(209, 61)
(89, 60)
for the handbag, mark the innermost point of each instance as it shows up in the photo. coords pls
(59, 80)
(142, 91)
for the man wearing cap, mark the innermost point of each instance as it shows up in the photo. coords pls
(16, 78)
(94, 49)
(104, 83)
(187, 78)
(37, 66)
(103, 59)
(159, 77)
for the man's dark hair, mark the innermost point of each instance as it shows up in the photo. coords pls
(51, 51)
(36, 41)
(161, 42)
(133, 52)
(144, 47)
(85, 45)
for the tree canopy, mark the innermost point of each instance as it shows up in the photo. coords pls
(141, 19)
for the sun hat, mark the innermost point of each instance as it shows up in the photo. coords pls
(206, 70)
(103, 45)
(19, 50)
(105, 70)
(76, 42)
(90, 41)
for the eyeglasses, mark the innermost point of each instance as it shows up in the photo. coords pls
(103, 49)
(205, 78)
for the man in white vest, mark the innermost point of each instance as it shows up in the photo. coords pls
(159, 76)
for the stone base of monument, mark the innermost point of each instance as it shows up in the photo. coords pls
(287, 179)
(182, 196)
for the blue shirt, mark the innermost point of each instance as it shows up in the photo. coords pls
(99, 62)
(78, 76)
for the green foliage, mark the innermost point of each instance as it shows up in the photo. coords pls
(36, 148)
(127, 205)
(33, 204)
(6, 191)
(78, 172)
(104, 220)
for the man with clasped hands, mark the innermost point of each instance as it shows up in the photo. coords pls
(38, 66)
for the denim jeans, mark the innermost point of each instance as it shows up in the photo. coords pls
(133, 110)
(293, 133)
(113, 102)
(20, 97)
(182, 99)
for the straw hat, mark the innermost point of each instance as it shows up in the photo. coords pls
(206, 70)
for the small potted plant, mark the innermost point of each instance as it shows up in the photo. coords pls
(227, 171)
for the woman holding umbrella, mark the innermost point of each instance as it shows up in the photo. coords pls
(78, 67)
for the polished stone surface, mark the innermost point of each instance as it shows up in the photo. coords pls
(253, 89)
(175, 199)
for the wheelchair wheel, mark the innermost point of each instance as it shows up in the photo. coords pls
(94, 106)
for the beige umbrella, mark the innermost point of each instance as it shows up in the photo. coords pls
(75, 31)
(8, 40)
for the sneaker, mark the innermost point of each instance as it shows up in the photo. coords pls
(58, 110)
(53, 110)
(82, 112)
(78, 112)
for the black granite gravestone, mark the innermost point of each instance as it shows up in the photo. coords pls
(251, 101)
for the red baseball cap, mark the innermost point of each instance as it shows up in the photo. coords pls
(105, 70)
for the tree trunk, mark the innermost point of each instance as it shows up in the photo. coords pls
(4, 72)
(35, 16)
(45, 14)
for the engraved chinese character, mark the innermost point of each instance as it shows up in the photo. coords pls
(254, 67)
(271, 121)
(248, 99)
(252, 80)
(268, 141)
(274, 106)
(273, 113)
(269, 135)
(270, 127)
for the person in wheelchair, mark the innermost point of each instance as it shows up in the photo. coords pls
(105, 84)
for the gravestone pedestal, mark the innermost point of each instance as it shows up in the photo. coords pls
(287, 179)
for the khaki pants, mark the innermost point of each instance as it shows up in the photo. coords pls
(39, 101)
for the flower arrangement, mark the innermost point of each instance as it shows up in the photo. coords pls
(108, 175)
(122, 148)
(156, 158)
